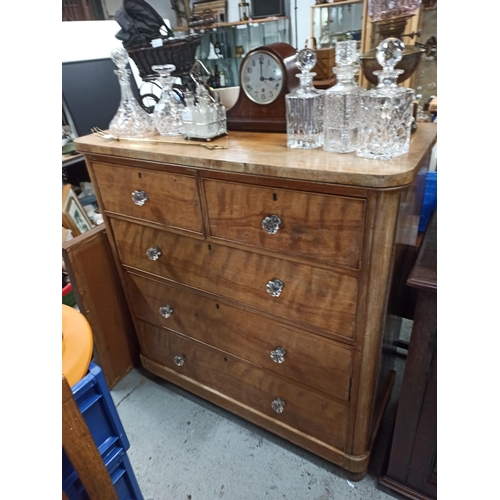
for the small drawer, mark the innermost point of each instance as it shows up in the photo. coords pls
(301, 293)
(320, 227)
(161, 197)
(301, 356)
(315, 415)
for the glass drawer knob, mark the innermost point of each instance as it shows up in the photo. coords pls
(278, 355)
(271, 224)
(278, 405)
(153, 253)
(179, 360)
(275, 287)
(166, 311)
(139, 197)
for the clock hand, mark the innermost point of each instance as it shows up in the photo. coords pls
(261, 61)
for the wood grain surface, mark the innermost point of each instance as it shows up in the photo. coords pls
(322, 228)
(310, 359)
(311, 295)
(100, 297)
(309, 412)
(267, 155)
(172, 198)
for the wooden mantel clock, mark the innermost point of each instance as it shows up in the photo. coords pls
(267, 74)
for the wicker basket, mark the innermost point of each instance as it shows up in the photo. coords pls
(179, 51)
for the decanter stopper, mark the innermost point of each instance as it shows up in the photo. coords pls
(306, 60)
(346, 53)
(389, 52)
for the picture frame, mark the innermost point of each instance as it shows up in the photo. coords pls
(74, 216)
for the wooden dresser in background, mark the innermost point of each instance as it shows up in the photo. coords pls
(412, 461)
(258, 276)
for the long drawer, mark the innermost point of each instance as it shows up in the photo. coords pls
(304, 410)
(161, 197)
(313, 296)
(321, 227)
(304, 357)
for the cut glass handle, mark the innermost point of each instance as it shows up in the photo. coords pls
(139, 197)
(275, 287)
(166, 311)
(278, 405)
(153, 253)
(179, 360)
(278, 355)
(271, 224)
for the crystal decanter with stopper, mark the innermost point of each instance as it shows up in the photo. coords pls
(167, 114)
(130, 119)
(304, 107)
(387, 110)
(342, 112)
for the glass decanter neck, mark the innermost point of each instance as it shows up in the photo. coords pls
(388, 77)
(306, 79)
(344, 74)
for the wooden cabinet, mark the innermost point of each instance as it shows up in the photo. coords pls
(258, 276)
(412, 462)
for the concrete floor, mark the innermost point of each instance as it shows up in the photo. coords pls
(185, 448)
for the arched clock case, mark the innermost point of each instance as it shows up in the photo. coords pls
(267, 74)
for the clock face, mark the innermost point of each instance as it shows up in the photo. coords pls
(262, 77)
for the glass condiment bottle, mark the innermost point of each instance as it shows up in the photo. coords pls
(342, 112)
(130, 120)
(304, 107)
(167, 114)
(387, 110)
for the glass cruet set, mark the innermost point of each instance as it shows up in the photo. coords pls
(196, 116)
(375, 123)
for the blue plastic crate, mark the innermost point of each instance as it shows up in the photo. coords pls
(429, 203)
(97, 408)
(122, 476)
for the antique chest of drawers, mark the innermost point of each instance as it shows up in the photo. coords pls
(258, 276)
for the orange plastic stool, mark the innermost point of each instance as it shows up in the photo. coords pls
(77, 344)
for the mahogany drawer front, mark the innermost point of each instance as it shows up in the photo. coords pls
(310, 359)
(321, 227)
(322, 298)
(304, 410)
(172, 199)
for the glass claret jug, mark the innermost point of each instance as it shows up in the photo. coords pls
(168, 111)
(343, 102)
(130, 120)
(387, 110)
(304, 107)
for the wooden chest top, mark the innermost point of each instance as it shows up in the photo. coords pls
(266, 154)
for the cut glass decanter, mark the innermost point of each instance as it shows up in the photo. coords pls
(304, 107)
(167, 114)
(387, 110)
(130, 119)
(342, 111)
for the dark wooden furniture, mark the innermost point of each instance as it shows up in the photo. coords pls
(258, 276)
(412, 463)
